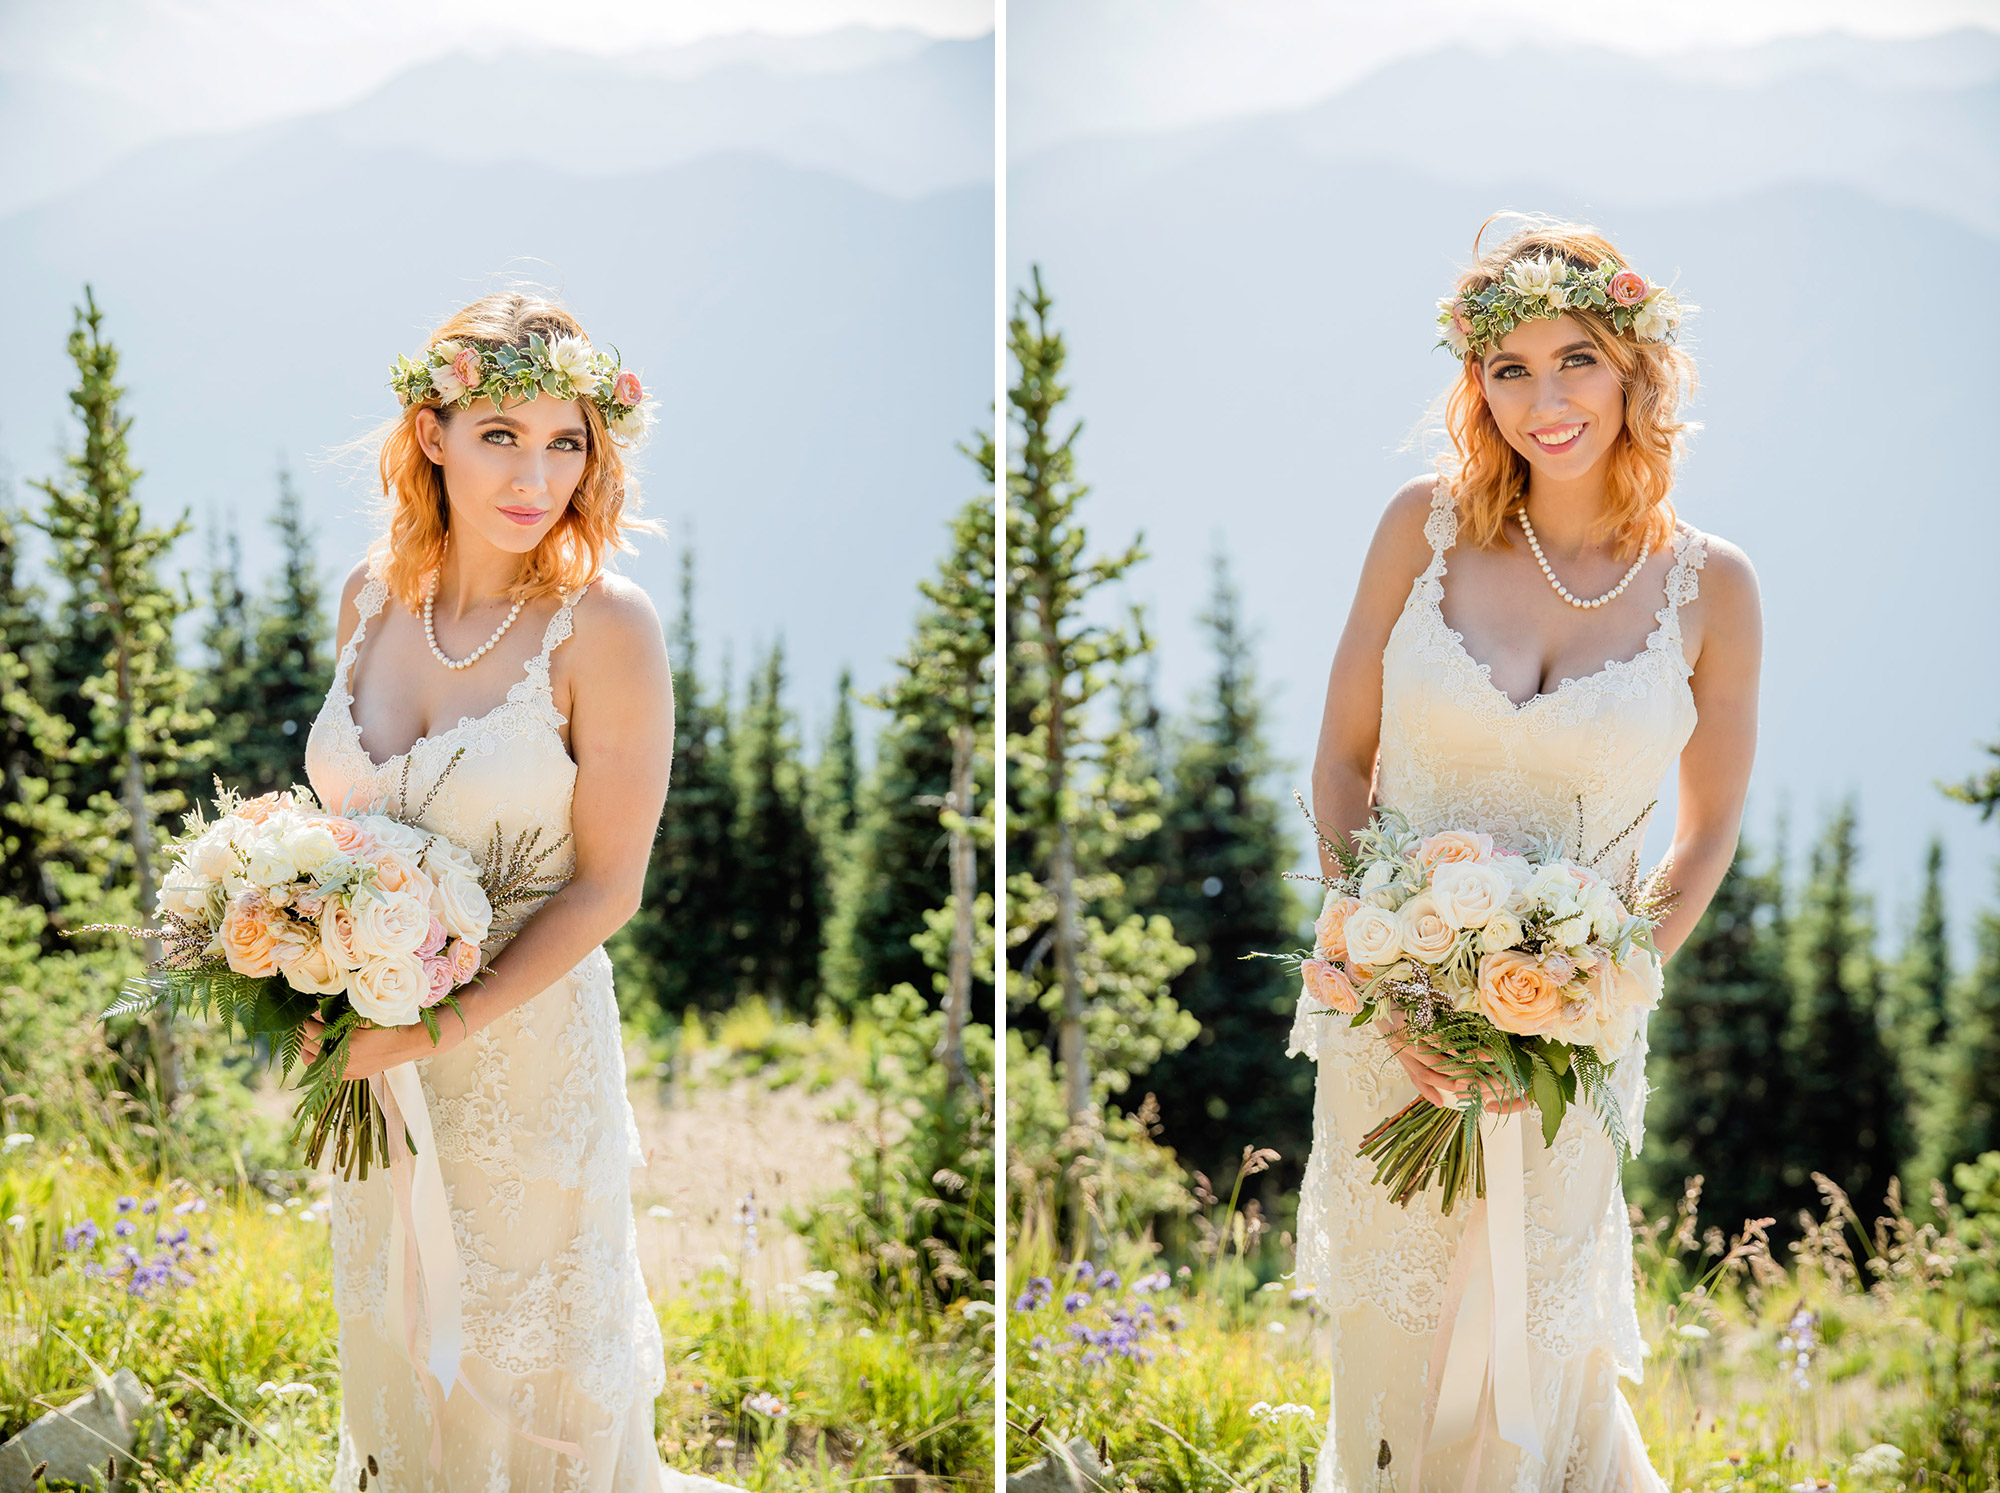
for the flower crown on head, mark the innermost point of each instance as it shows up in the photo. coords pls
(1528, 289)
(458, 370)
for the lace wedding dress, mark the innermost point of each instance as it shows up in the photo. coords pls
(536, 1140)
(1457, 752)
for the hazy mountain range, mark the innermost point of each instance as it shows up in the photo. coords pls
(1250, 304)
(791, 242)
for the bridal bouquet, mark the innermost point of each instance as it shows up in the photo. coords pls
(1526, 974)
(276, 911)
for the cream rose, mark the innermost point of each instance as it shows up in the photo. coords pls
(1468, 894)
(460, 903)
(336, 935)
(389, 924)
(389, 991)
(396, 872)
(1423, 930)
(185, 894)
(1374, 936)
(441, 856)
(249, 936)
(393, 833)
(1515, 995)
(1452, 845)
(1326, 984)
(1502, 931)
(213, 857)
(306, 965)
(1330, 932)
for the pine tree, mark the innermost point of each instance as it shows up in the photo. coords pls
(1718, 1107)
(1847, 1113)
(1222, 853)
(836, 779)
(227, 688)
(1100, 986)
(780, 897)
(1922, 981)
(1968, 1108)
(682, 948)
(293, 662)
(36, 830)
(140, 730)
(1981, 790)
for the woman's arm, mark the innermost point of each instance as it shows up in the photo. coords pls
(1715, 763)
(622, 739)
(1350, 725)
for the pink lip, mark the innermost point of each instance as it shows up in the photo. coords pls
(526, 516)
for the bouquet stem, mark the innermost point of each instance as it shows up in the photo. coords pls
(1423, 1142)
(357, 1128)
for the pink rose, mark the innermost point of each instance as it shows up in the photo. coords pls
(1628, 288)
(467, 367)
(1460, 319)
(437, 973)
(628, 391)
(433, 940)
(1326, 984)
(464, 960)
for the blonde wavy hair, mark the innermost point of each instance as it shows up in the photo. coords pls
(1488, 477)
(601, 512)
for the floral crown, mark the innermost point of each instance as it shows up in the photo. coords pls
(458, 370)
(1474, 322)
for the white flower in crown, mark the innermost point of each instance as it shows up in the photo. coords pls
(1538, 278)
(574, 359)
(1657, 316)
(1449, 324)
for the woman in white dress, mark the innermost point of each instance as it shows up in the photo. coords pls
(453, 666)
(1533, 625)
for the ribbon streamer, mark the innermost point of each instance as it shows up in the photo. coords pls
(423, 1216)
(1479, 1356)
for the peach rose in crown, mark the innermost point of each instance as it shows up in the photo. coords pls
(628, 391)
(1627, 288)
(468, 367)
(1451, 845)
(1330, 932)
(1516, 995)
(1326, 984)
(249, 936)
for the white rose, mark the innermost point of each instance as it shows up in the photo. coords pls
(1376, 877)
(1374, 937)
(572, 355)
(1656, 318)
(389, 923)
(393, 833)
(185, 894)
(1502, 931)
(1423, 930)
(213, 856)
(389, 991)
(265, 863)
(1571, 933)
(309, 967)
(460, 903)
(311, 846)
(441, 856)
(1468, 893)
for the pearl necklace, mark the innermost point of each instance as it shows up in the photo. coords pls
(430, 628)
(1541, 559)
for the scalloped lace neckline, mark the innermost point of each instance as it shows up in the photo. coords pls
(518, 693)
(1666, 629)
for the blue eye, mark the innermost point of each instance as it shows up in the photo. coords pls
(498, 437)
(567, 443)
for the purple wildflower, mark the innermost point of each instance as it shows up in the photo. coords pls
(81, 1236)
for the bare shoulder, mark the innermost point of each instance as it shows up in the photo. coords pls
(1401, 550)
(1728, 579)
(350, 601)
(616, 622)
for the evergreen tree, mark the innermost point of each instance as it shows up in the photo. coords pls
(1220, 855)
(227, 689)
(780, 900)
(1981, 790)
(293, 654)
(683, 946)
(1967, 1112)
(1098, 979)
(1922, 982)
(36, 829)
(140, 730)
(1847, 1112)
(836, 780)
(1717, 1066)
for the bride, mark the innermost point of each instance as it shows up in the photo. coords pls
(455, 703)
(1533, 625)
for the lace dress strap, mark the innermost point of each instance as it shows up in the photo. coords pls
(561, 625)
(1683, 585)
(1441, 527)
(374, 594)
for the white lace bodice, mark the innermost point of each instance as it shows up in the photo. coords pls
(1455, 751)
(533, 1128)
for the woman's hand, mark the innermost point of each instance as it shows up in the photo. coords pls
(1445, 1089)
(372, 1049)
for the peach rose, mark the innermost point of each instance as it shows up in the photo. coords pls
(1423, 931)
(336, 934)
(249, 936)
(307, 966)
(438, 973)
(262, 807)
(389, 991)
(464, 958)
(1330, 932)
(394, 872)
(1327, 985)
(355, 842)
(628, 391)
(1453, 845)
(467, 367)
(1628, 288)
(1515, 995)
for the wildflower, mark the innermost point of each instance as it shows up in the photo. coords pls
(276, 1210)
(124, 1228)
(1076, 1301)
(1265, 1410)
(820, 1282)
(1694, 1332)
(17, 1221)
(126, 1205)
(271, 1389)
(1157, 1280)
(659, 1211)
(767, 1404)
(1277, 1327)
(1109, 1281)
(18, 1139)
(82, 1235)
(1084, 1272)
(192, 1205)
(1880, 1460)
(151, 1205)
(1038, 1342)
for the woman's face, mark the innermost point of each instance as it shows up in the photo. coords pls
(508, 474)
(1554, 397)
